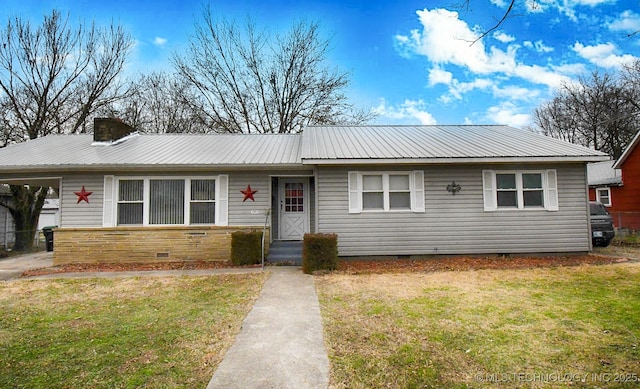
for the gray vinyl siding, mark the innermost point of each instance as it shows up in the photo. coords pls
(83, 214)
(455, 224)
(240, 213)
(75, 214)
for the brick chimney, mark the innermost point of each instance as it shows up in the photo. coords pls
(110, 129)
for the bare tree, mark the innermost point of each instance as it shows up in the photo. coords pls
(161, 103)
(52, 78)
(599, 112)
(254, 83)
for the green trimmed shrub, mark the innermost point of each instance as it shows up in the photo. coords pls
(246, 247)
(319, 252)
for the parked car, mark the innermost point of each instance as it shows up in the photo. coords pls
(602, 230)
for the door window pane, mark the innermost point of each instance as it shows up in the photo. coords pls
(294, 197)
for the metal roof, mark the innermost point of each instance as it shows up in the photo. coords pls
(165, 151)
(435, 144)
(603, 173)
(317, 145)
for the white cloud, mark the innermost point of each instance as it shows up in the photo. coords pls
(502, 37)
(574, 69)
(459, 88)
(439, 76)
(409, 112)
(158, 41)
(507, 113)
(591, 3)
(445, 39)
(603, 55)
(539, 75)
(538, 46)
(628, 21)
(515, 93)
(566, 7)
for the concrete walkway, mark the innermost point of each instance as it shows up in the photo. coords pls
(281, 341)
(12, 267)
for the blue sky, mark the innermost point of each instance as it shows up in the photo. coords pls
(409, 61)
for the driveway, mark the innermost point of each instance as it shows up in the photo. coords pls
(12, 267)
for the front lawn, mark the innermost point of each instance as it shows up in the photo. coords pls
(168, 332)
(545, 327)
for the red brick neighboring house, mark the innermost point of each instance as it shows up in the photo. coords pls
(616, 184)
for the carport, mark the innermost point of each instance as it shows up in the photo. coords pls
(7, 223)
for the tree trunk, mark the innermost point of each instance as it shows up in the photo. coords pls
(25, 209)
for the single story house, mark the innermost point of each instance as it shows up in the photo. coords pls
(384, 190)
(616, 185)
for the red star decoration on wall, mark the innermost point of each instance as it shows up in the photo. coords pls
(83, 195)
(248, 194)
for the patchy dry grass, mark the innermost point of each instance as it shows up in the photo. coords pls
(115, 333)
(620, 251)
(524, 328)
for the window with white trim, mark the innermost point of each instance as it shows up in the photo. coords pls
(386, 191)
(203, 202)
(520, 190)
(603, 195)
(171, 201)
(130, 202)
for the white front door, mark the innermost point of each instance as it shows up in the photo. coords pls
(294, 208)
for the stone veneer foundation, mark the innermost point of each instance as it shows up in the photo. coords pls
(144, 244)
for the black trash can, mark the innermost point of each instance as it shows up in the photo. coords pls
(48, 237)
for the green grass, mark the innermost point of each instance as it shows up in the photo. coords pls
(525, 328)
(120, 333)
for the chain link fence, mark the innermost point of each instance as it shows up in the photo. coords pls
(626, 222)
(8, 238)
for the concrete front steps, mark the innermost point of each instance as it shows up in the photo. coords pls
(285, 252)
